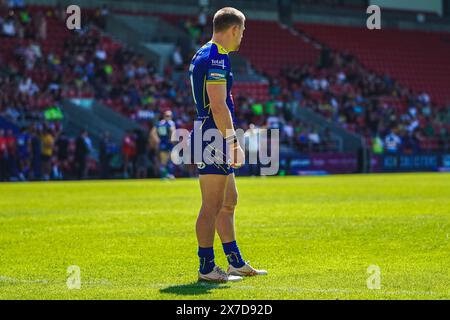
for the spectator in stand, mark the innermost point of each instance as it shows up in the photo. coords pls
(40, 24)
(202, 20)
(9, 27)
(177, 59)
(11, 142)
(36, 162)
(81, 155)
(16, 4)
(106, 153)
(24, 153)
(251, 137)
(288, 133)
(302, 139)
(60, 11)
(314, 140)
(4, 172)
(141, 155)
(62, 151)
(392, 142)
(377, 145)
(128, 152)
(102, 16)
(47, 145)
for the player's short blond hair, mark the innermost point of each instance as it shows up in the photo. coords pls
(226, 18)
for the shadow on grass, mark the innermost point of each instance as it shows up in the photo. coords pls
(194, 288)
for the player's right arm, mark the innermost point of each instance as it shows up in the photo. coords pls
(217, 94)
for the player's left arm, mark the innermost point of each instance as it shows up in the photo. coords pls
(154, 139)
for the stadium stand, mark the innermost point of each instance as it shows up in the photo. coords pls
(414, 65)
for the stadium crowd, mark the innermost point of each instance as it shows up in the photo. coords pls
(391, 117)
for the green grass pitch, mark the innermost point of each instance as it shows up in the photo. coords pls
(315, 235)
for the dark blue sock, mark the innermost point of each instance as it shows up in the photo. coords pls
(206, 256)
(233, 255)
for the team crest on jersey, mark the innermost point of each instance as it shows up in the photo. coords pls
(201, 165)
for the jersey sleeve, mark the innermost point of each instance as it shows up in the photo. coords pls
(217, 69)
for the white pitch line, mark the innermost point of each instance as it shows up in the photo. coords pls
(10, 279)
(15, 280)
(214, 286)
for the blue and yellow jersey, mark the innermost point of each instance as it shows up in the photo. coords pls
(210, 65)
(164, 129)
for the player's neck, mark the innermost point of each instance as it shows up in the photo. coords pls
(221, 41)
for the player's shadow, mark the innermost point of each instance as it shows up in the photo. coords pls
(194, 288)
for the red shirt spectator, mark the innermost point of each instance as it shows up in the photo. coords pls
(129, 146)
(3, 144)
(11, 143)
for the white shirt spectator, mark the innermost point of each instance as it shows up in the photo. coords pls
(421, 18)
(36, 48)
(424, 98)
(341, 77)
(9, 29)
(288, 130)
(12, 113)
(146, 114)
(88, 142)
(314, 137)
(100, 54)
(324, 84)
(273, 122)
(177, 58)
(251, 137)
(28, 87)
(413, 112)
(202, 19)
(413, 125)
(392, 142)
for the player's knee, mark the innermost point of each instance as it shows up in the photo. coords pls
(230, 204)
(211, 208)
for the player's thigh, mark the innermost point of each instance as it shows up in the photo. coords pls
(231, 193)
(213, 187)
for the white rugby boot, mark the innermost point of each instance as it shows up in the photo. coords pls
(217, 275)
(245, 271)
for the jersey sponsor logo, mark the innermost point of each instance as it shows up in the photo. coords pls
(218, 63)
(216, 74)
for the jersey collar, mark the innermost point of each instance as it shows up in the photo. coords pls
(219, 47)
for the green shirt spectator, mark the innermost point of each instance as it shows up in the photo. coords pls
(24, 17)
(377, 146)
(108, 69)
(257, 109)
(270, 108)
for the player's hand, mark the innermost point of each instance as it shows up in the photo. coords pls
(237, 156)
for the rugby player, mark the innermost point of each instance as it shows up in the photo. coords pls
(211, 80)
(165, 130)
